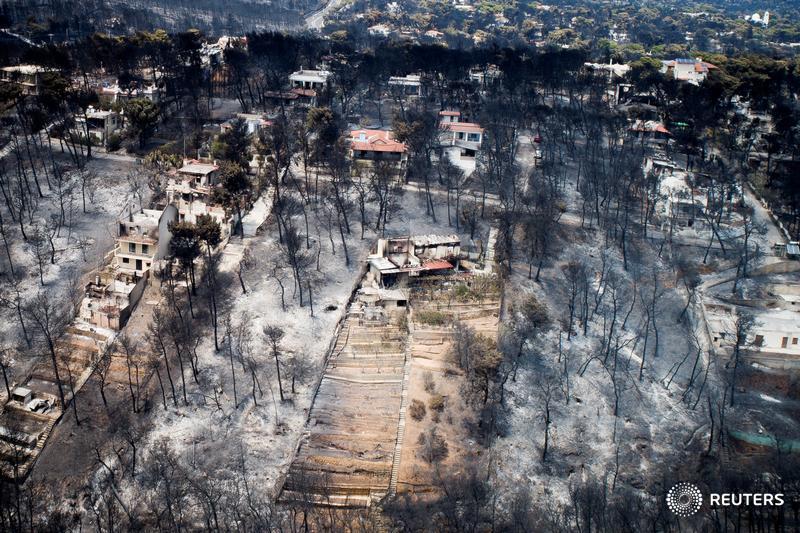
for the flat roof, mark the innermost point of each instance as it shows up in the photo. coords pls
(27, 69)
(382, 263)
(434, 240)
(407, 79)
(310, 75)
(147, 217)
(196, 167)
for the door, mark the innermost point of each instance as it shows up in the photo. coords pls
(138, 264)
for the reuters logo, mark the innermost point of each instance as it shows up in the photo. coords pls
(684, 499)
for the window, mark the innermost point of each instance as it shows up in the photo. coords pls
(474, 137)
(794, 340)
(784, 342)
(145, 248)
(132, 247)
(759, 340)
(126, 260)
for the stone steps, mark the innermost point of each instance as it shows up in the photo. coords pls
(401, 424)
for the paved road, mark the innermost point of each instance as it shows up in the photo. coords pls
(316, 19)
(8, 148)
(21, 38)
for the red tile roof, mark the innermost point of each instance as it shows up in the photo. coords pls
(436, 264)
(375, 141)
(311, 93)
(649, 126)
(449, 113)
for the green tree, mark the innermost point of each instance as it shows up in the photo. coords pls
(142, 117)
(185, 247)
(232, 145)
(234, 190)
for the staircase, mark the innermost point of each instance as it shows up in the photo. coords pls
(401, 424)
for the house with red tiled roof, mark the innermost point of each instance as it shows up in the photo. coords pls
(467, 136)
(449, 116)
(650, 131)
(377, 145)
(692, 71)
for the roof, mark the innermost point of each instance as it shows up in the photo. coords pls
(379, 28)
(310, 75)
(465, 127)
(784, 321)
(392, 295)
(793, 248)
(699, 64)
(649, 125)
(437, 264)
(311, 93)
(449, 113)
(409, 78)
(27, 69)
(99, 113)
(21, 391)
(198, 168)
(252, 117)
(146, 218)
(382, 264)
(375, 141)
(434, 240)
(284, 95)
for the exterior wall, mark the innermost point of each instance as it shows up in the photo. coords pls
(370, 155)
(188, 211)
(169, 215)
(129, 251)
(441, 251)
(773, 360)
(203, 180)
(773, 341)
(305, 84)
(405, 88)
(29, 83)
(134, 297)
(110, 125)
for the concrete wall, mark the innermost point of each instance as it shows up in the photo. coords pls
(169, 215)
(781, 267)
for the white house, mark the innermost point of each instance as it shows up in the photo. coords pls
(198, 173)
(253, 122)
(777, 332)
(692, 71)
(143, 238)
(309, 79)
(27, 77)
(100, 124)
(466, 136)
(409, 85)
